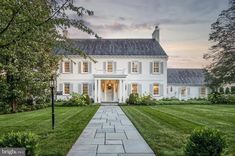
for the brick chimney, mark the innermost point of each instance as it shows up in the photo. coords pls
(156, 34)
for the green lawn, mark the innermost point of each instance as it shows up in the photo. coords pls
(70, 121)
(166, 127)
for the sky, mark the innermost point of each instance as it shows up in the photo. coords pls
(184, 24)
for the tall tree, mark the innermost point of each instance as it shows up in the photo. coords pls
(221, 69)
(29, 30)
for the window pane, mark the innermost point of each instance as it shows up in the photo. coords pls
(85, 67)
(66, 89)
(156, 67)
(134, 67)
(156, 89)
(203, 91)
(66, 67)
(110, 66)
(85, 88)
(134, 88)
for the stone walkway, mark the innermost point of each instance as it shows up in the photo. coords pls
(110, 133)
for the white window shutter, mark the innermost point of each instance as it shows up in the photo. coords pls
(129, 67)
(79, 67)
(61, 87)
(115, 66)
(139, 89)
(71, 88)
(90, 89)
(151, 89)
(104, 66)
(162, 67)
(161, 89)
(90, 68)
(188, 91)
(129, 89)
(79, 89)
(140, 67)
(71, 70)
(151, 67)
(61, 67)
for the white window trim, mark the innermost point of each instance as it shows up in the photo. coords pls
(64, 88)
(202, 95)
(87, 88)
(137, 67)
(185, 92)
(87, 67)
(69, 67)
(136, 87)
(158, 67)
(158, 89)
(107, 66)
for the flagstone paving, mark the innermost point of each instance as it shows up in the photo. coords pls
(110, 133)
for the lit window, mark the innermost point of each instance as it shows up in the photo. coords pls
(85, 67)
(135, 67)
(66, 67)
(156, 67)
(202, 91)
(110, 66)
(66, 88)
(134, 88)
(183, 91)
(85, 88)
(156, 89)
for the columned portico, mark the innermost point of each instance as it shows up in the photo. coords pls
(109, 88)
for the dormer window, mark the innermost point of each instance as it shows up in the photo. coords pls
(67, 67)
(135, 66)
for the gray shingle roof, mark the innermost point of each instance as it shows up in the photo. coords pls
(187, 77)
(116, 47)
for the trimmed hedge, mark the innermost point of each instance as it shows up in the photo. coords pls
(27, 140)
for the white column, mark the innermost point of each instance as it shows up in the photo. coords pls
(99, 91)
(96, 89)
(123, 91)
(120, 91)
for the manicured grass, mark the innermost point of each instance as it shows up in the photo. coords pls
(70, 121)
(166, 127)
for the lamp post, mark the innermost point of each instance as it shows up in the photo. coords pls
(52, 86)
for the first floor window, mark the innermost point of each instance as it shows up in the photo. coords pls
(85, 88)
(203, 91)
(66, 67)
(183, 91)
(110, 66)
(85, 67)
(156, 67)
(66, 88)
(156, 89)
(134, 88)
(134, 67)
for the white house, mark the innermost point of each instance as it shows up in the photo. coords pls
(123, 66)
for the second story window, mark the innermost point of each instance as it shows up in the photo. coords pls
(156, 67)
(134, 88)
(110, 67)
(85, 67)
(134, 68)
(66, 88)
(85, 88)
(66, 67)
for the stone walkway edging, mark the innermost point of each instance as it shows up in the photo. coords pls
(110, 133)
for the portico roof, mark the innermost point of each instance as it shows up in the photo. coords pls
(111, 76)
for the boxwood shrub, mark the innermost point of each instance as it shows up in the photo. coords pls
(205, 142)
(27, 140)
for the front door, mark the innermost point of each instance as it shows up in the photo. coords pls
(109, 92)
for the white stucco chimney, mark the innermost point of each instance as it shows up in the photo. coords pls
(156, 34)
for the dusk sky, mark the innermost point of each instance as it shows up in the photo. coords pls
(184, 24)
